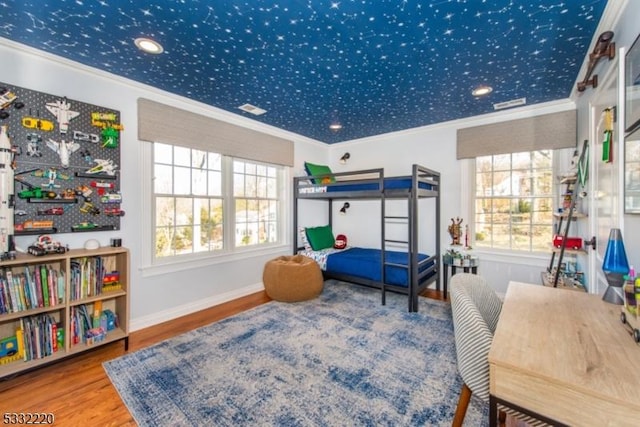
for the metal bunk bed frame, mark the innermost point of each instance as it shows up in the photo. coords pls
(420, 273)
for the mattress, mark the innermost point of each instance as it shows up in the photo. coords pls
(365, 263)
(396, 183)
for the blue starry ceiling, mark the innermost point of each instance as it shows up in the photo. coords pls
(373, 66)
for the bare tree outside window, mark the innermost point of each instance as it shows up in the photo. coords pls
(514, 201)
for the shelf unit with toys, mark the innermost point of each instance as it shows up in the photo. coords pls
(55, 306)
(559, 274)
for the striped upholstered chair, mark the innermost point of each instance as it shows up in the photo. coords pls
(476, 309)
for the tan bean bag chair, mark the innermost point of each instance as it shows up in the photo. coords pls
(292, 278)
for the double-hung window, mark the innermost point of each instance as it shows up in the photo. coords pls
(514, 201)
(205, 202)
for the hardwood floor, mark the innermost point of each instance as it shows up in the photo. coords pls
(77, 390)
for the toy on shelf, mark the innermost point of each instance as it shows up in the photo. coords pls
(51, 174)
(8, 98)
(10, 349)
(90, 226)
(45, 245)
(113, 212)
(455, 231)
(574, 243)
(36, 123)
(85, 137)
(56, 210)
(33, 145)
(63, 149)
(7, 200)
(62, 110)
(630, 315)
(103, 166)
(35, 225)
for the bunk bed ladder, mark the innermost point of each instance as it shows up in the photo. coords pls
(408, 243)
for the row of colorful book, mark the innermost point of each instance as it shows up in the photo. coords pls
(38, 286)
(86, 277)
(41, 336)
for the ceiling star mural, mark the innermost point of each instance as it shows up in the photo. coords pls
(372, 66)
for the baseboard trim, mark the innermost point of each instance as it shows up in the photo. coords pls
(183, 310)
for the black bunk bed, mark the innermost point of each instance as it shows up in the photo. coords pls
(408, 272)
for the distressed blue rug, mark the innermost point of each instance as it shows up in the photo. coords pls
(339, 360)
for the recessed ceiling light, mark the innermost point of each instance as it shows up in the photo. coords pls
(335, 127)
(482, 90)
(148, 45)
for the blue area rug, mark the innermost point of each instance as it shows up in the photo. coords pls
(339, 360)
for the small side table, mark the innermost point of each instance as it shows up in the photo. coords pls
(448, 262)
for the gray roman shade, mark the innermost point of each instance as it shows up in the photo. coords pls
(545, 132)
(170, 125)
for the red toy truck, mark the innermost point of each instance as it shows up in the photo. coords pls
(571, 243)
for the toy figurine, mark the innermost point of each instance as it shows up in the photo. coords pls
(62, 110)
(63, 149)
(7, 202)
(455, 230)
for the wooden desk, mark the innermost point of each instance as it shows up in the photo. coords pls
(566, 356)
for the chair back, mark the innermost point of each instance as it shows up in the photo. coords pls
(476, 310)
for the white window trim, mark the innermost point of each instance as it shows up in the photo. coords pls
(174, 264)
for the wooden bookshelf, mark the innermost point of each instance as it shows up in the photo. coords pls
(74, 282)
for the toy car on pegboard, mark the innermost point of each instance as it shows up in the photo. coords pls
(7, 98)
(45, 245)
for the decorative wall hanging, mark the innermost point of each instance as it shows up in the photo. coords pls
(65, 157)
(604, 48)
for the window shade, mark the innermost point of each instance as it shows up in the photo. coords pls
(170, 125)
(545, 132)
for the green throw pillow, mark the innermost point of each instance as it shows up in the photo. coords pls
(320, 237)
(314, 170)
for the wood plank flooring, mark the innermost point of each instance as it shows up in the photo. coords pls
(77, 390)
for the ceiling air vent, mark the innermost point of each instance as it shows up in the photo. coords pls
(509, 104)
(252, 109)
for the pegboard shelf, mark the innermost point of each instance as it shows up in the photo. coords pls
(95, 176)
(36, 231)
(56, 201)
(94, 227)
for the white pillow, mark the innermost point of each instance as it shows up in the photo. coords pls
(303, 238)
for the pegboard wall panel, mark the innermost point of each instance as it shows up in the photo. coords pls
(67, 155)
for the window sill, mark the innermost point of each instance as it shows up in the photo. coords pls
(507, 257)
(204, 260)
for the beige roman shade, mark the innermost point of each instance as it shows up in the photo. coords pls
(545, 132)
(170, 125)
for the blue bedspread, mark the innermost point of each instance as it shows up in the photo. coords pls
(395, 183)
(364, 262)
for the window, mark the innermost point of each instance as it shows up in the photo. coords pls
(194, 211)
(514, 201)
(255, 191)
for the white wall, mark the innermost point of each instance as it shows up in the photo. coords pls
(159, 297)
(433, 147)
